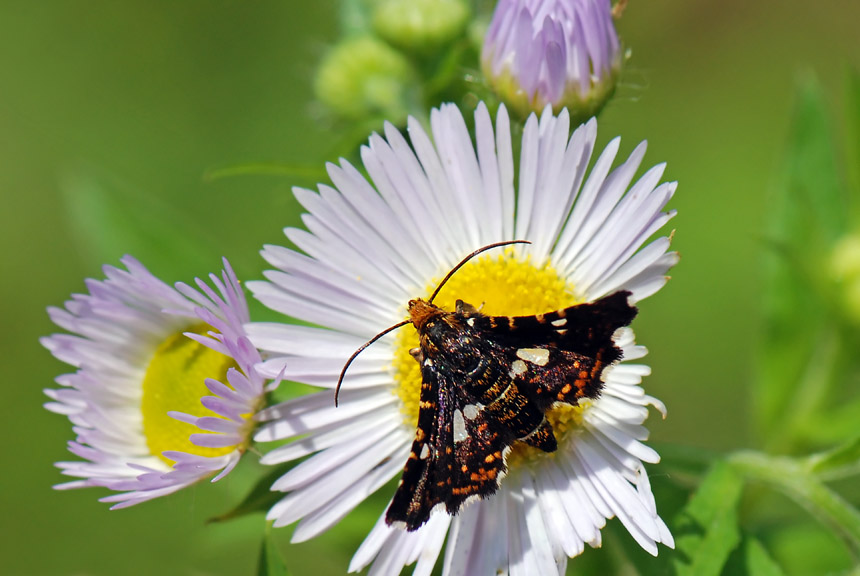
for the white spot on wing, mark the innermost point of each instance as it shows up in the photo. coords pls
(560, 322)
(539, 356)
(425, 452)
(428, 362)
(470, 321)
(460, 433)
(517, 367)
(470, 411)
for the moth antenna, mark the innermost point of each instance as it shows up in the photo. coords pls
(359, 351)
(469, 257)
(430, 301)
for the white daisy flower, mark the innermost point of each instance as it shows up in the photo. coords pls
(370, 248)
(166, 385)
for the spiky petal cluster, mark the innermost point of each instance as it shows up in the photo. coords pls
(558, 52)
(115, 331)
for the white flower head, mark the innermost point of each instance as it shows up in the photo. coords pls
(370, 248)
(166, 386)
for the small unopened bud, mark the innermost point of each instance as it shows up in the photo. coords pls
(364, 77)
(420, 26)
(559, 52)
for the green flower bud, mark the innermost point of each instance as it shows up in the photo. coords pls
(420, 26)
(364, 77)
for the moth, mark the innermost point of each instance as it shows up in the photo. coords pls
(487, 383)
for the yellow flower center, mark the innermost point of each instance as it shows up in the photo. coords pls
(500, 286)
(175, 381)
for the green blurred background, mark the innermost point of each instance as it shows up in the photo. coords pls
(111, 113)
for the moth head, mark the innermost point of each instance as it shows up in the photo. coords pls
(420, 312)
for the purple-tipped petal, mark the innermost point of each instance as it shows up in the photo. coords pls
(116, 330)
(558, 52)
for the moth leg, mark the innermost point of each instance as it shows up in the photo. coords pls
(542, 437)
(417, 354)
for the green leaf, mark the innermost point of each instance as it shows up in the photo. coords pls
(759, 561)
(752, 559)
(109, 221)
(840, 423)
(807, 214)
(792, 477)
(270, 563)
(259, 499)
(838, 461)
(706, 531)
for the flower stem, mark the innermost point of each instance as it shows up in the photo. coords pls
(796, 481)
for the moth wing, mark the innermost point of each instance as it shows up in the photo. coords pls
(428, 461)
(456, 454)
(560, 356)
(479, 449)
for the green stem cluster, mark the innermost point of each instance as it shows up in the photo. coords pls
(797, 479)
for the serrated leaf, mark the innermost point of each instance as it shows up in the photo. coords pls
(706, 531)
(807, 214)
(259, 499)
(270, 563)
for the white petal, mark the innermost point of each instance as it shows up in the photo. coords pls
(312, 498)
(540, 549)
(572, 239)
(325, 437)
(315, 411)
(550, 499)
(506, 170)
(455, 240)
(335, 457)
(621, 498)
(529, 157)
(320, 520)
(492, 189)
